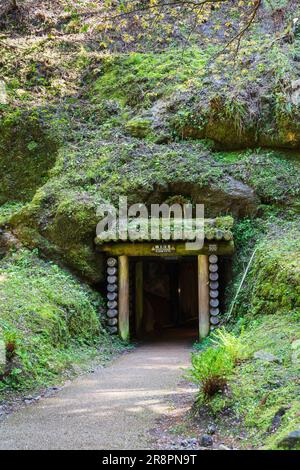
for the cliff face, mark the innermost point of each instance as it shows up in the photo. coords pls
(143, 113)
(93, 109)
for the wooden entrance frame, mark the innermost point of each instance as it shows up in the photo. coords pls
(125, 250)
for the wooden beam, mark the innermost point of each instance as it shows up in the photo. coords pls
(177, 249)
(124, 297)
(139, 297)
(203, 295)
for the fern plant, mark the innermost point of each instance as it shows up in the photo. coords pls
(232, 344)
(210, 370)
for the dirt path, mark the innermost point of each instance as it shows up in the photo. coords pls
(114, 408)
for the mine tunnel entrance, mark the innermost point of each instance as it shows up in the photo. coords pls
(165, 296)
(155, 286)
(151, 295)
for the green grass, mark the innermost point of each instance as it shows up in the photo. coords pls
(257, 390)
(142, 78)
(266, 318)
(7, 210)
(49, 319)
(261, 389)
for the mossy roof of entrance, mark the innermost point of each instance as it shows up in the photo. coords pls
(216, 229)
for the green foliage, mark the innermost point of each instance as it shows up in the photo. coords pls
(215, 361)
(257, 389)
(27, 152)
(233, 345)
(8, 209)
(49, 316)
(140, 79)
(275, 276)
(210, 370)
(260, 390)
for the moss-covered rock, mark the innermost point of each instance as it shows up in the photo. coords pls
(64, 229)
(138, 127)
(222, 101)
(275, 285)
(128, 122)
(61, 219)
(264, 394)
(27, 153)
(46, 316)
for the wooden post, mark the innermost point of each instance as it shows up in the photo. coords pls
(203, 295)
(124, 297)
(139, 298)
(2, 353)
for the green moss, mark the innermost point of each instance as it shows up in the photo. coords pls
(9, 209)
(138, 127)
(258, 389)
(270, 174)
(140, 79)
(27, 152)
(48, 315)
(261, 389)
(62, 218)
(274, 282)
(63, 239)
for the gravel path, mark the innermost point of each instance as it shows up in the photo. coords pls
(113, 408)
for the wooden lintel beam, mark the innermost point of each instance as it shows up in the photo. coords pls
(177, 249)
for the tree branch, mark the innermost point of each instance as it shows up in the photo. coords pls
(241, 33)
(169, 4)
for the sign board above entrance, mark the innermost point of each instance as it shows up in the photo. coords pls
(163, 249)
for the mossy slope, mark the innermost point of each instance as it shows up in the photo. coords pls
(263, 390)
(48, 320)
(188, 95)
(130, 122)
(27, 152)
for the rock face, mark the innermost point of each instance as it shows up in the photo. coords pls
(206, 440)
(235, 197)
(220, 196)
(291, 441)
(61, 220)
(27, 152)
(265, 356)
(277, 419)
(146, 126)
(276, 280)
(296, 351)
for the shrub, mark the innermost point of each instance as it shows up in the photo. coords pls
(210, 370)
